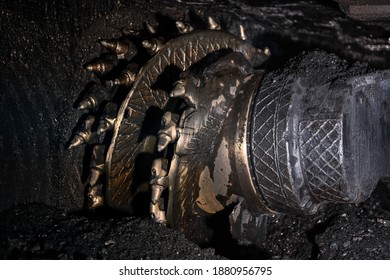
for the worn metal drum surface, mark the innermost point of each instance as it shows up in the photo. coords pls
(327, 143)
(199, 131)
(130, 149)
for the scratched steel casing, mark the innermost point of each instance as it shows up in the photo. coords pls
(326, 143)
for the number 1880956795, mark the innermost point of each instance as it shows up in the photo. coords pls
(245, 270)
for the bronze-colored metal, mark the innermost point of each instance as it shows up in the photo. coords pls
(213, 25)
(95, 173)
(77, 140)
(126, 78)
(152, 45)
(123, 48)
(168, 132)
(95, 197)
(84, 134)
(127, 144)
(220, 138)
(179, 88)
(86, 103)
(183, 28)
(108, 118)
(266, 51)
(211, 159)
(158, 181)
(97, 164)
(206, 140)
(97, 94)
(103, 65)
(242, 32)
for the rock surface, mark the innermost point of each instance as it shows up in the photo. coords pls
(44, 45)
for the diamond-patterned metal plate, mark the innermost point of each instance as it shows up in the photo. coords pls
(320, 143)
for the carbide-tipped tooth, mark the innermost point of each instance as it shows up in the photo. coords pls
(157, 214)
(213, 24)
(94, 196)
(168, 132)
(100, 67)
(122, 47)
(158, 181)
(89, 102)
(96, 95)
(104, 126)
(163, 142)
(94, 176)
(152, 46)
(85, 104)
(109, 44)
(97, 164)
(267, 51)
(103, 65)
(179, 89)
(108, 118)
(97, 67)
(90, 67)
(150, 28)
(156, 193)
(76, 141)
(158, 170)
(183, 27)
(96, 202)
(126, 78)
(180, 26)
(147, 44)
(242, 32)
(84, 135)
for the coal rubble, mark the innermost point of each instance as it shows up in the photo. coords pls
(37, 231)
(346, 231)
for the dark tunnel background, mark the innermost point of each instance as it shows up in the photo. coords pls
(44, 45)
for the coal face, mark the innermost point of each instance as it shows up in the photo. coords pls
(44, 47)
